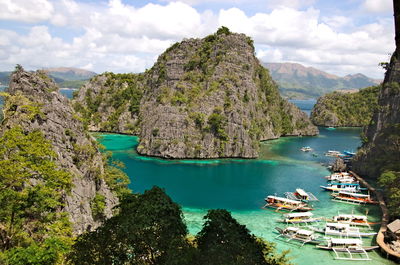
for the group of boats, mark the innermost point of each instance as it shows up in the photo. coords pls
(341, 234)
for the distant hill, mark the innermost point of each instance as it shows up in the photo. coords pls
(64, 76)
(298, 81)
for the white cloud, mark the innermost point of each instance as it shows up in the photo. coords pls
(26, 10)
(378, 6)
(120, 37)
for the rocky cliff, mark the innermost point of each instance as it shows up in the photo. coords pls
(76, 150)
(110, 102)
(346, 108)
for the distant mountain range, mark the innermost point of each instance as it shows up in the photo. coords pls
(298, 81)
(64, 76)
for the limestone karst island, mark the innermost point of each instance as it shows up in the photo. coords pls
(199, 132)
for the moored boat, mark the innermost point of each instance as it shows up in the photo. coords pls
(299, 234)
(353, 197)
(350, 187)
(351, 247)
(339, 229)
(351, 219)
(280, 203)
(300, 218)
(333, 153)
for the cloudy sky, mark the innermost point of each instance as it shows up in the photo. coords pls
(338, 36)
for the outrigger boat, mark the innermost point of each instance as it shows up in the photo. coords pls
(301, 195)
(299, 234)
(350, 187)
(350, 246)
(333, 153)
(351, 197)
(286, 204)
(299, 218)
(338, 229)
(306, 149)
(351, 219)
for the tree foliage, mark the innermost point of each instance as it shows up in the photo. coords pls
(31, 192)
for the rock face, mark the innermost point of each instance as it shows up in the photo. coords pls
(76, 149)
(203, 98)
(209, 98)
(110, 102)
(346, 109)
(381, 148)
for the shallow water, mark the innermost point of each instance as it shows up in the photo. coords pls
(241, 185)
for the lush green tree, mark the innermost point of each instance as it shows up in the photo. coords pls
(224, 241)
(148, 230)
(31, 191)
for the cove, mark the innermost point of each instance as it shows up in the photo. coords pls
(241, 185)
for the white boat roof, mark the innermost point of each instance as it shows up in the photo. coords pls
(346, 241)
(292, 228)
(301, 192)
(352, 216)
(301, 214)
(337, 225)
(284, 199)
(305, 232)
(354, 194)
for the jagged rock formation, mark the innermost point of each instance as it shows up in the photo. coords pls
(110, 102)
(76, 149)
(346, 109)
(381, 148)
(203, 98)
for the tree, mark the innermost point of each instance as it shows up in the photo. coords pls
(148, 230)
(224, 241)
(31, 192)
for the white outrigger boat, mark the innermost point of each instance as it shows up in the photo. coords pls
(350, 246)
(299, 234)
(339, 229)
(351, 219)
(351, 187)
(333, 153)
(353, 198)
(339, 176)
(301, 195)
(306, 149)
(299, 218)
(280, 203)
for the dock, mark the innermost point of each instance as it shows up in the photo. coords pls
(292, 196)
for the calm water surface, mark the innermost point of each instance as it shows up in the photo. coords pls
(241, 185)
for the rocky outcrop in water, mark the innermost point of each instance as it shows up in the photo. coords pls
(346, 109)
(76, 150)
(203, 98)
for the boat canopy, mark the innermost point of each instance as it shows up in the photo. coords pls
(346, 241)
(305, 232)
(352, 194)
(292, 228)
(302, 193)
(301, 214)
(284, 200)
(338, 225)
(351, 216)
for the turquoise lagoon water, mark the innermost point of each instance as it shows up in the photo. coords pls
(241, 185)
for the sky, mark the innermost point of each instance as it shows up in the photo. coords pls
(337, 36)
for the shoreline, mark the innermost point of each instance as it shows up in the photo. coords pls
(380, 238)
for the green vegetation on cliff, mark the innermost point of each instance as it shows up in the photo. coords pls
(340, 109)
(106, 97)
(33, 230)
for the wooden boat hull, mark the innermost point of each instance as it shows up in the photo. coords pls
(353, 200)
(369, 248)
(288, 208)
